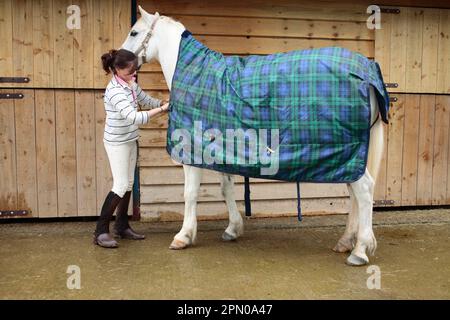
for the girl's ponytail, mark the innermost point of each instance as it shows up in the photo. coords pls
(108, 61)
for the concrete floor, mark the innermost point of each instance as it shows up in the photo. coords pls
(275, 259)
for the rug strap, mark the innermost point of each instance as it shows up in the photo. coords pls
(248, 207)
(299, 207)
(378, 116)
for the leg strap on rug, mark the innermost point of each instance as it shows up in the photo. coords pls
(299, 207)
(248, 207)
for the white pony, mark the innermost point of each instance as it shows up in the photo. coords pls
(158, 37)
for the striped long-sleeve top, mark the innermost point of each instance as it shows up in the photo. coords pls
(122, 116)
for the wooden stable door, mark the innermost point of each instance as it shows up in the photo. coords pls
(415, 166)
(53, 163)
(413, 50)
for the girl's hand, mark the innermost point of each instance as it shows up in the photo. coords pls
(164, 107)
(158, 110)
(163, 102)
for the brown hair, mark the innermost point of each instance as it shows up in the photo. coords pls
(120, 59)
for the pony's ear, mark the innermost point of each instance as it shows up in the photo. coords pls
(144, 14)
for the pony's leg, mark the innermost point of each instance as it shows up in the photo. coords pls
(347, 241)
(236, 225)
(188, 233)
(363, 191)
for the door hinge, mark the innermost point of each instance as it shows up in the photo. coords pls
(390, 10)
(384, 202)
(11, 96)
(13, 213)
(391, 85)
(14, 79)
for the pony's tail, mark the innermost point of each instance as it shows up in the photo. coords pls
(376, 145)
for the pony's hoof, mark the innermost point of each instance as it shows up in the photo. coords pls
(342, 247)
(228, 237)
(354, 260)
(177, 245)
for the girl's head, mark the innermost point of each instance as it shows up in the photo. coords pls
(122, 62)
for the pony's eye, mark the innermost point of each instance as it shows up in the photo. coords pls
(133, 33)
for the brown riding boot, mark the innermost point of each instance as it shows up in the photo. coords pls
(122, 227)
(101, 234)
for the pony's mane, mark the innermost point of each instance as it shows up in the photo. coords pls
(171, 20)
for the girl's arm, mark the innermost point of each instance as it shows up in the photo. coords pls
(119, 101)
(145, 100)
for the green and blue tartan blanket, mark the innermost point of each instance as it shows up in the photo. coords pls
(306, 110)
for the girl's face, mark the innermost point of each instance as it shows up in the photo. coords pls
(127, 74)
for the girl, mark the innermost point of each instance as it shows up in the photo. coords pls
(122, 95)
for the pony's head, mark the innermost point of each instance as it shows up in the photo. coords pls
(141, 39)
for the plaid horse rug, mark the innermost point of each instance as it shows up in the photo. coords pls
(298, 116)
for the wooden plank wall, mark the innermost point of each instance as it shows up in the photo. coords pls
(250, 27)
(53, 162)
(49, 139)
